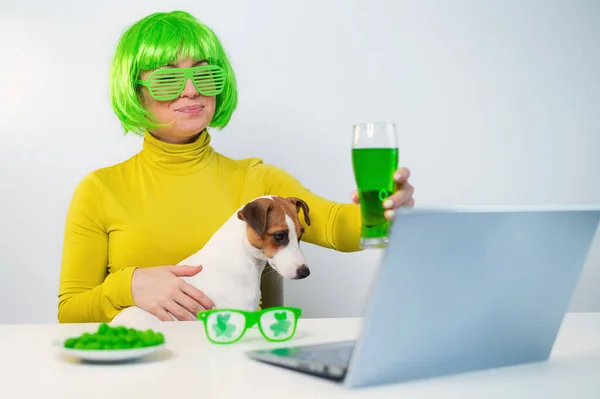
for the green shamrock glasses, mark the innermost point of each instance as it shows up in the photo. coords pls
(226, 326)
(166, 84)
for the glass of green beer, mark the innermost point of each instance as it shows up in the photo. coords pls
(374, 160)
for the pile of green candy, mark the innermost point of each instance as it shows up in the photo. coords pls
(120, 337)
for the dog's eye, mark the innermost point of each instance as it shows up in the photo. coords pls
(280, 236)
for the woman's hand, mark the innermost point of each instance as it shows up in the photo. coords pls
(402, 197)
(159, 290)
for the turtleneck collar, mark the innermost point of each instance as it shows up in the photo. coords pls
(177, 158)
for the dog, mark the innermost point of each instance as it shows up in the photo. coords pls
(264, 230)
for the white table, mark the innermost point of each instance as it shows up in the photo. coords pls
(191, 367)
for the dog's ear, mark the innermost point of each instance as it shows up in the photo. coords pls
(255, 214)
(301, 204)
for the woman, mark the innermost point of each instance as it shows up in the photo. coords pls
(165, 202)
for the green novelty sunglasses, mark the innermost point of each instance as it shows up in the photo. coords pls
(226, 326)
(167, 83)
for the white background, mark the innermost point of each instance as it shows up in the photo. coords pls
(496, 103)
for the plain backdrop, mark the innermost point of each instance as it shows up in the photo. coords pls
(496, 103)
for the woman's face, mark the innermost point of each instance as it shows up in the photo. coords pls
(187, 115)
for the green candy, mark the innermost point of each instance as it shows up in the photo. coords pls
(112, 338)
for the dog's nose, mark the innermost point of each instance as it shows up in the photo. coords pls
(302, 272)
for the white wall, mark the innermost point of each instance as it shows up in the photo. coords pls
(496, 103)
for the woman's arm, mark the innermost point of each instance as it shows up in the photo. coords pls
(333, 225)
(87, 293)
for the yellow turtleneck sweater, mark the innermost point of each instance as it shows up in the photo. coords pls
(162, 205)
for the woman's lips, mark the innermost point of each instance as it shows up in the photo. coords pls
(192, 109)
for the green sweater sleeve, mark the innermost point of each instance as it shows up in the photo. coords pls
(333, 225)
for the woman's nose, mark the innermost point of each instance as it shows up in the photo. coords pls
(189, 90)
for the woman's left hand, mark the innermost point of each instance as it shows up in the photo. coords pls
(403, 197)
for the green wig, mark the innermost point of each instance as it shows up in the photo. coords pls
(153, 42)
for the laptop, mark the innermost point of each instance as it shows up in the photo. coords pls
(457, 291)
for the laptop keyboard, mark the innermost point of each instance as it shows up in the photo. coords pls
(338, 354)
(329, 360)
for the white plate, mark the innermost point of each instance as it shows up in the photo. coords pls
(111, 355)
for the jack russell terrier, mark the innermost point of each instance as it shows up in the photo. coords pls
(267, 229)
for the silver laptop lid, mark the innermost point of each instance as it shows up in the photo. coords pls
(462, 290)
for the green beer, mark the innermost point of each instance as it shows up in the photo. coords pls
(373, 170)
(374, 160)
